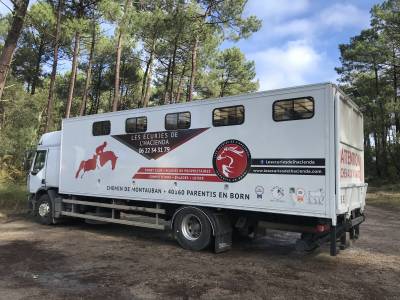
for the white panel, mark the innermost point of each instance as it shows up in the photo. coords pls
(265, 139)
(350, 158)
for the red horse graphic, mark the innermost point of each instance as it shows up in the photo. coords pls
(108, 156)
(231, 161)
(91, 164)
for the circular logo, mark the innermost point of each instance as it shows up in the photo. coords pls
(259, 190)
(231, 160)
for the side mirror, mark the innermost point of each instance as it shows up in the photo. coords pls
(34, 172)
(26, 166)
(28, 159)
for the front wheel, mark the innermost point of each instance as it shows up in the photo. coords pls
(192, 229)
(43, 212)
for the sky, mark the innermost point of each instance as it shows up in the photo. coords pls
(298, 41)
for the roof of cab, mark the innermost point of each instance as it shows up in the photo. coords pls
(50, 139)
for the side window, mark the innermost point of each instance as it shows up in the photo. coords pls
(293, 109)
(227, 116)
(101, 128)
(177, 121)
(138, 124)
(40, 160)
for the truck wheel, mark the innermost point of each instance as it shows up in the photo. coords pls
(44, 210)
(307, 243)
(192, 229)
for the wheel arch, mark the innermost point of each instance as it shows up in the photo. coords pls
(51, 192)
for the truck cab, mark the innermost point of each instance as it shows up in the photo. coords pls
(44, 171)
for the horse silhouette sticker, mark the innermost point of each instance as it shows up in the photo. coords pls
(98, 160)
(231, 160)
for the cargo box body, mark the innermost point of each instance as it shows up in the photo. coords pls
(306, 167)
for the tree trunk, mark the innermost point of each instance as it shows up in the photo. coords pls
(127, 101)
(376, 146)
(221, 93)
(148, 83)
(179, 90)
(118, 60)
(37, 67)
(110, 99)
(194, 68)
(95, 104)
(195, 49)
(382, 126)
(122, 83)
(50, 99)
(167, 81)
(147, 75)
(149, 78)
(20, 8)
(117, 66)
(368, 161)
(143, 92)
(88, 80)
(73, 74)
(395, 86)
(171, 91)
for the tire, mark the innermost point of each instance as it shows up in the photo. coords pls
(247, 231)
(192, 229)
(43, 211)
(307, 243)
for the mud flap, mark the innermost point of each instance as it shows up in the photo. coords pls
(56, 202)
(57, 206)
(222, 233)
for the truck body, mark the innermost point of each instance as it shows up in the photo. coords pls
(290, 159)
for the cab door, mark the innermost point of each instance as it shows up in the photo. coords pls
(37, 174)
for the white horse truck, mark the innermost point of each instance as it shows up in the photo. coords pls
(288, 159)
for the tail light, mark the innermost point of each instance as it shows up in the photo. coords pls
(322, 228)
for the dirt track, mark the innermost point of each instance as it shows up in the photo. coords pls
(78, 261)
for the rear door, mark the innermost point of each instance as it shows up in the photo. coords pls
(350, 157)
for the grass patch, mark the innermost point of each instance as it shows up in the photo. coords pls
(13, 198)
(385, 196)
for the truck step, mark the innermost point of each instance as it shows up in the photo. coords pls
(116, 206)
(111, 220)
(143, 219)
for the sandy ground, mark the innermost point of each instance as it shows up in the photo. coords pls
(82, 261)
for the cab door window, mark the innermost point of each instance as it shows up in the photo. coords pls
(40, 161)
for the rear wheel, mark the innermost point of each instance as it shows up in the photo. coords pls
(192, 229)
(307, 243)
(43, 212)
